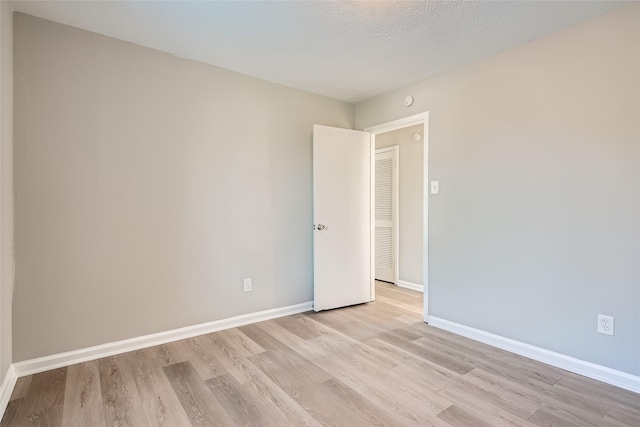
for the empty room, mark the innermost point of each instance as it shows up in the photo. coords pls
(308, 213)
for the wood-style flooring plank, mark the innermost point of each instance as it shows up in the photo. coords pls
(409, 308)
(159, 401)
(433, 356)
(458, 341)
(587, 412)
(262, 338)
(400, 295)
(83, 396)
(239, 343)
(510, 370)
(612, 395)
(405, 400)
(120, 398)
(326, 341)
(269, 393)
(299, 327)
(43, 404)
(347, 324)
(618, 416)
(451, 388)
(232, 362)
(243, 404)
(334, 403)
(458, 417)
(22, 388)
(541, 418)
(305, 348)
(375, 319)
(163, 355)
(200, 405)
(483, 356)
(289, 370)
(14, 413)
(199, 352)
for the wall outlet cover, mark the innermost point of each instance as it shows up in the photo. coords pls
(605, 324)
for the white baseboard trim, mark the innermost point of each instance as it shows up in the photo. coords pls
(409, 285)
(41, 364)
(6, 388)
(578, 366)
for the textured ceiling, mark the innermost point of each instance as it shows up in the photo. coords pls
(345, 50)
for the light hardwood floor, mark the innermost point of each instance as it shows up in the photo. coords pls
(368, 365)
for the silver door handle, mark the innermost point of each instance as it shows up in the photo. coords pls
(320, 227)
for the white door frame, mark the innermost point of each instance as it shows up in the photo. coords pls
(396, 206)
(422, 118)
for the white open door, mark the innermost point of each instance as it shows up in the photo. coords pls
(342, 217)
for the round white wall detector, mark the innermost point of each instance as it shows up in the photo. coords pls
(417, 137)
(408, 101)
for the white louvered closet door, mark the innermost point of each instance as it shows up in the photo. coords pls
(386, 214)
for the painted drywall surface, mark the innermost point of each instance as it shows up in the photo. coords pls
(409, 198)
(536, 228)
(6, 184)
(149, 186)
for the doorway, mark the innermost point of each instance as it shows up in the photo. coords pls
(414, 249)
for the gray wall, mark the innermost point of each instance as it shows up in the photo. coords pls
(6, 185)
(536, 228)
(409, 198)
(149, 186)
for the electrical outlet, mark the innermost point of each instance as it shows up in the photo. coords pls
(247, 285)
(605, 324)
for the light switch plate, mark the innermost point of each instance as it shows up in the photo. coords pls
(435, 187)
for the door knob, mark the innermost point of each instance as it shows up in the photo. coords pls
(321, 227)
